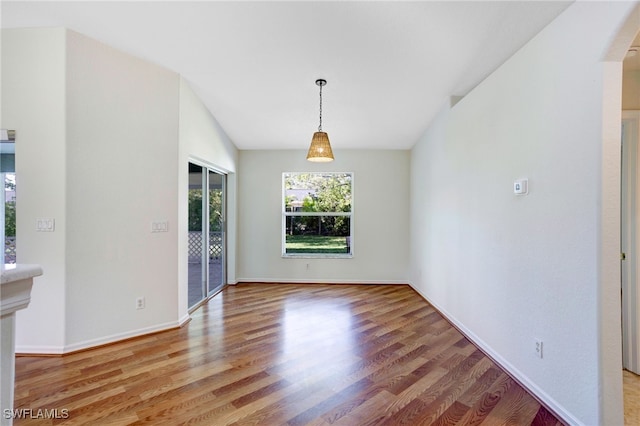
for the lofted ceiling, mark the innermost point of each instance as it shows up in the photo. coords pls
(390, 66)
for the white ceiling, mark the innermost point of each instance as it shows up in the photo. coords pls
(390, 66)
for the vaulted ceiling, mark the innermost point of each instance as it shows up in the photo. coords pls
(390, 66)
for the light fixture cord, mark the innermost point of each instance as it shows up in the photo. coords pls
(320, 126)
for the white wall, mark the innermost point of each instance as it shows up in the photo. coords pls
(510, 269)
(103, 143)
(33, 91)
(380, 199)
(202, 139)
(122, 130)
(631, 90)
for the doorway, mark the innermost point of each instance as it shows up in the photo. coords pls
(630, 241)
(630, 231)
(207, 233)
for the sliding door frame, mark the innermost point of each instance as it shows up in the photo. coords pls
(207, 293)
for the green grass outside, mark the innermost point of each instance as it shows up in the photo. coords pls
(316, 244)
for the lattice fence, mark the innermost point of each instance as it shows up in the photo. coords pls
(10, 250)
(215, 245)
(195, 246)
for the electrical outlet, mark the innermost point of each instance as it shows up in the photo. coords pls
(140, 303)
(539, 348)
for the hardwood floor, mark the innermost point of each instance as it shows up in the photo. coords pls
(631, 388)
(285, 354)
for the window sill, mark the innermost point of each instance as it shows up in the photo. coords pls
(317, 256)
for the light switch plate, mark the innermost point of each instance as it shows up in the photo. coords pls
(45, 224)
(159, 226)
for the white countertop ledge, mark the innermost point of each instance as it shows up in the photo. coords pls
(15, 287)
(15, 294)
(11, 273)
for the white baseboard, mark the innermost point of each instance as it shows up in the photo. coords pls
(182, 321)
(87, 344)
(318, 281)
(522, 378)
(39, 350)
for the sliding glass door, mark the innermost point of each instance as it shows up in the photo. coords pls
(216, 222)
(206, 233)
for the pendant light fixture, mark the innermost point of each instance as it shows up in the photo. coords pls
(320, 149)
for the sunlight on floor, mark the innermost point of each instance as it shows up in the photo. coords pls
(631, 398)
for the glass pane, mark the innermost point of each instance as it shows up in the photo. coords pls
(8, 203)
(323, 201)
(216, 235)
(317, 192)
(318, 235)
(196, 236)
(10, 218)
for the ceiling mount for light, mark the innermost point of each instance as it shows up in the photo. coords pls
(320, 149)
(633, 51)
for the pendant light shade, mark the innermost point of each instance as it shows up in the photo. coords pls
(320, 149)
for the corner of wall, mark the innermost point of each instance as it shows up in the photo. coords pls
(34, 105)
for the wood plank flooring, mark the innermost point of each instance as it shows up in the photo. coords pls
(285, 354)
(631, 386)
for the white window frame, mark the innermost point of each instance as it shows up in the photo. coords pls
(285, 214)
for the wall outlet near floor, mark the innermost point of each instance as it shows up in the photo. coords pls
(140, 303)
(539, 348)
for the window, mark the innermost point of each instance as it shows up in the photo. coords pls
(317, 214)
(9, 218)
(8, 203)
